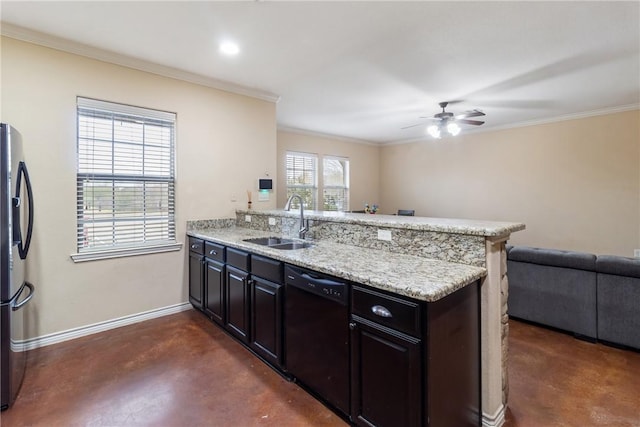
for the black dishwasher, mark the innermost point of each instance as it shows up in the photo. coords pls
(317, 334)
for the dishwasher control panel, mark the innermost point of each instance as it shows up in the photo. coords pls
(316, 283)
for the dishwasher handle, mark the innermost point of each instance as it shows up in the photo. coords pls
(316, 283)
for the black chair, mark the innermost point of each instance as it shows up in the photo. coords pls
(406, 212)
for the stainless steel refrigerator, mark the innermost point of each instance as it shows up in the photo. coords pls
(16, 226)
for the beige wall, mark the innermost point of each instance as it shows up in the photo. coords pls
(364, 164)
(224, 143)
(575, 183)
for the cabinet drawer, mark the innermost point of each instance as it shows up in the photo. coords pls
(214, 251)
(266, 268)
(196, 245)
(393, 312)
(238, 258)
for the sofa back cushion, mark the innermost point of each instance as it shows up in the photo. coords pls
(553, 257)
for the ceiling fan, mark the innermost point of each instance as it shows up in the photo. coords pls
(446, 120)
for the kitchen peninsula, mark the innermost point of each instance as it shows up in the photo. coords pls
(427, 260)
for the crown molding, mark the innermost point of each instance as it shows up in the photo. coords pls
(326, 135)
(66, 45)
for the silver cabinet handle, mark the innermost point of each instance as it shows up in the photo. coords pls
(381, 311)
(194, 246)
(212, 252)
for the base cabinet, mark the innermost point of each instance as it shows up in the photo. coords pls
(214, 290)
(237, 303)
(386, 372)
(266, 319)
(412, 363)
(196, 272)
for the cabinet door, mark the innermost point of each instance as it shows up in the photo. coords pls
(386, 376)
(196, 278)
(266, 319)
(214, 291)
(237, 302)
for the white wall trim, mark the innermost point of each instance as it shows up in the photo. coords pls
(69, 334)
(65, 45)
(494, 420)
(326, 136)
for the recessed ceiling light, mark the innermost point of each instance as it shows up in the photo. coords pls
(229, 48)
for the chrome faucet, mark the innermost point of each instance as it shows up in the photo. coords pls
(304, 225)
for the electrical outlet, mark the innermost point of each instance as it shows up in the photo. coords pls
(384, 235)
(636, 253)
(234, 197)
(247, 218)
(272, 221)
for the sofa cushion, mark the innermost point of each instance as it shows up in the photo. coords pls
(564, 298)
(620, 266)
(619, 309)
(553, 257)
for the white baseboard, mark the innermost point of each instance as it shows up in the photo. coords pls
(58, 337)
(494, 420)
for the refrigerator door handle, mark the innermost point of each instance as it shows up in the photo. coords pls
(15, 305)
(23, 246)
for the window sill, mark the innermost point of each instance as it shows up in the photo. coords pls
(124, 252)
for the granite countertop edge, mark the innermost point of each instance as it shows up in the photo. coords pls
(442, 225)
(412, 276)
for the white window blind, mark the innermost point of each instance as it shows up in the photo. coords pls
(335, 183)
(302, 178)
(125, 179)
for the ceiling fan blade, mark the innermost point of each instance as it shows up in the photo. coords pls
(412, 126)
(516, 103)
(473, 113)
(428, 118)
(470, 122)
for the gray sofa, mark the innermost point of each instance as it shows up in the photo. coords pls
(594, 297)
(619, 300)
(554, 288)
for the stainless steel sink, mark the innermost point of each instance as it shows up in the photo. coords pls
(268, 241)
(279, 243)
(292, 245)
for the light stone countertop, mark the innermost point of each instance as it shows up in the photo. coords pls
(445, 225)
(420, 278)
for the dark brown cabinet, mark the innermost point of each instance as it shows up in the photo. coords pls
(267, 293)
(237, 298)
(196, 272)
(214, 279)
(237, 293)
(386, 374)
(266, 319)
(408, 362)
(415, 363)
(386, 362)
(214, 291)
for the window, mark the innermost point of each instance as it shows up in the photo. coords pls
(335, 172)
(125, 179)
(302, 178)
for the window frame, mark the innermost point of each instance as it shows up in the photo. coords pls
(313, 187)
(345, 184)
(164, 177)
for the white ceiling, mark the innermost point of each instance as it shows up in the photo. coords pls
(364, 70)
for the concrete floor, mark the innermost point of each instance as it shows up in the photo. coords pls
(181, 370)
